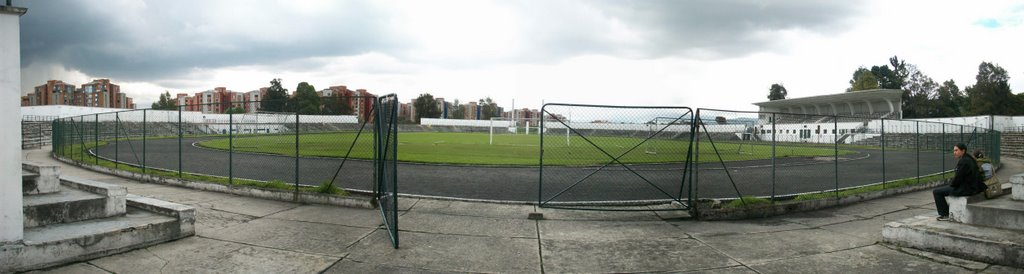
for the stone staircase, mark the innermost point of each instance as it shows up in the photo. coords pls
(70, 219)
(987, 230)
(1012, 144)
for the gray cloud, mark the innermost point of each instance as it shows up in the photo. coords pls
(165, 41)
(169, 38)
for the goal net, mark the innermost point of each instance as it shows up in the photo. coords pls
(499, 126)
(261, 123)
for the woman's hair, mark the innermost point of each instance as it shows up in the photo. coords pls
(961, 146)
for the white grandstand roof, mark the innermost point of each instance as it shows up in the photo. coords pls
(868, 102)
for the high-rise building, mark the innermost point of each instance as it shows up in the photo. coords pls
(98, 93)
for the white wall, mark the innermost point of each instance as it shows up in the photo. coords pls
(11, 218)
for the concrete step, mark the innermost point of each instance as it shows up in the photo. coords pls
(63, 243)
(1002, 213)
(39, 178)
(65, 206)
(980, 243)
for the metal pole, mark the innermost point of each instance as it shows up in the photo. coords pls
(143, 141)
(883, 153)
(179, 142)
(540, 181)
(943, 152)
(117, 131)
(231, 148)
(95, 138)
(835, 142)
(917, 128)
(773, 157)
(296, 151)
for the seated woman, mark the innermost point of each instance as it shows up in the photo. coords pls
(966, 182)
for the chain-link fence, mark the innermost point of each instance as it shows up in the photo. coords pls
(613, 155)
(777, 156)
(277, 149)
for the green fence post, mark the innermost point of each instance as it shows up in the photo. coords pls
(835, 143)
(942, 151)
(179, 142)
(231, 148)
(143, 141)
(96, 138)
(773, 157)
(917, 142)
(117, 131)
(296, 152)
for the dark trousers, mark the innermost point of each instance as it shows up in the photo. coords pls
(940, 199)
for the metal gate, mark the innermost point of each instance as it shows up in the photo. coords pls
(386, 163)
(630, 157)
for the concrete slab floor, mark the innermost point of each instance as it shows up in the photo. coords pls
(764, 247)
(867, 259)
(315, 238)
(583, 230)
(355, 217)
(472, 209)
(468, 225)
(204, 255)
(630, 255)
(441, 252)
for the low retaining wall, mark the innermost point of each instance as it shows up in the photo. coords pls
(247, 191)
(715, 210)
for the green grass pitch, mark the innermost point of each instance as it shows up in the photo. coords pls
(474, 149)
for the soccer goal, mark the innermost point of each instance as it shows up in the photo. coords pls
(507, 126)
(260, 123)
(662, 128)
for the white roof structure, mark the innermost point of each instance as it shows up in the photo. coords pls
(885, 103)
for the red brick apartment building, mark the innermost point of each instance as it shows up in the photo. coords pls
(98, 93)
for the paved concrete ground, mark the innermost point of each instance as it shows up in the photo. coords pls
(245, 235)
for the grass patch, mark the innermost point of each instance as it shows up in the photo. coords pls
(475, 149)
(749, 200)
(79, 153)
(873, 188)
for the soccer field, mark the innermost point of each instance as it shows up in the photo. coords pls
(474, 148)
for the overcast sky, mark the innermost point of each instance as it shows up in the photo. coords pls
(714, 53)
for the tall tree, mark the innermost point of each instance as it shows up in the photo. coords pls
(777, 92)
(165, 102)
(337, 105)
(456, 111)
(863, 79)
(920, 89)
(991, 94)
(306, 100)
(276, 97)
(426, 107)
(488, 108)
(949, 100)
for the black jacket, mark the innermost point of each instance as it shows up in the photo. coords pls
(967, 180)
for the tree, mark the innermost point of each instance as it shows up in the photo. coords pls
(721, 120)
(918, 90)
(235, 110)
(863, 79)
(165, 102)
(426, 107)
(777, 92)
(949, 100)
(488, 108)
(456, 111)
(276, 97)
(991, 94)
(306, 101)
(337, 105)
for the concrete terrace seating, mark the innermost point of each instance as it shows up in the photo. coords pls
(988, 230)
(1012, 144)
(69, 219)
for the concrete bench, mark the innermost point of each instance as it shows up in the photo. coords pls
(46, 178)
(958, 206)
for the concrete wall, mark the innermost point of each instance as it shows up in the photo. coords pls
(11, 218)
